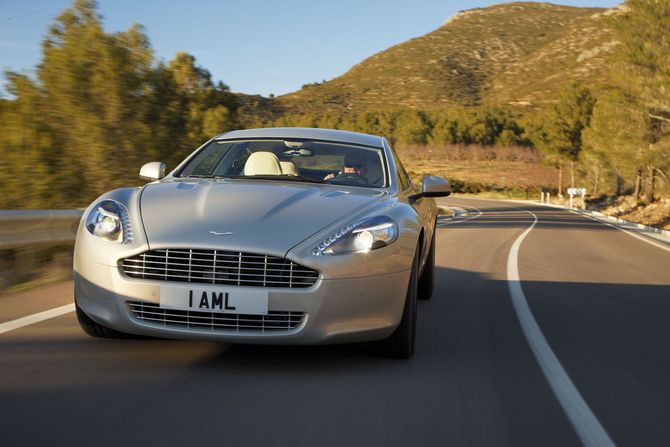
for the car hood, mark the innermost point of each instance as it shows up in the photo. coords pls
(266, 217)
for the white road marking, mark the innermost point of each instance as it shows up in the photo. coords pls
(36, 318)
(585, 423)
(454, 221)
(631, 233)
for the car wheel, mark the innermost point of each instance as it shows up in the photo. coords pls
(401, 343)
(94, 329)
(427, 280)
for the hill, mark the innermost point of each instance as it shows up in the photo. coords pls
(512, 55)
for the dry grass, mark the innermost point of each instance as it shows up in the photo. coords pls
(656, 214)
(472, 152)
(475, 169)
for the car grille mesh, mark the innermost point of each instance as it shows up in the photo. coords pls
(274, 321)
(218, 267)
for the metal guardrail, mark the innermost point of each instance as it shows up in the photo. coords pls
(24, 228)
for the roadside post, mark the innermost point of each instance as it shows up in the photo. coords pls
(577, 191)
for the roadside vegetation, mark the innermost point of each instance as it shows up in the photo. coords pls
(100, 105)
(505, 171)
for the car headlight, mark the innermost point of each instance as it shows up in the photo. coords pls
(109, 220)
(360, 237)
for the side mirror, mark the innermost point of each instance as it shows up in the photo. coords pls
(435, 186)
(432, 186)
(153, 171)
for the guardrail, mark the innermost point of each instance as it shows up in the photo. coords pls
(27, 228)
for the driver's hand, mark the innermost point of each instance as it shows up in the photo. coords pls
(329, 176)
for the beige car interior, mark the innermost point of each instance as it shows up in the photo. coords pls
(288, 168)
(267, 163)
(262, 163)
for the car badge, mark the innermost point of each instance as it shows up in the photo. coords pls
(220, 233)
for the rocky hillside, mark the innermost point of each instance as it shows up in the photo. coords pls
(513, 54)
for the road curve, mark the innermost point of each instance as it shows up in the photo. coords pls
(599, 297)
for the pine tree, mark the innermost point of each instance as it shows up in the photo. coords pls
(411, 127)
(644, 60)
(559, 133)
(631, 125)
(100, 107)
(25, 139)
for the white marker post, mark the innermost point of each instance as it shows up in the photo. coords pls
(577, 191)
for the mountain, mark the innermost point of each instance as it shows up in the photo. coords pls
(515, 55)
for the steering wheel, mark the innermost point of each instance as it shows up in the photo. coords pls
(350, 178)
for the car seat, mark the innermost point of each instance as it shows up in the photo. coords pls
(288, 167)
(262, 163)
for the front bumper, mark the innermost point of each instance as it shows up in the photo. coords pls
(335, 310)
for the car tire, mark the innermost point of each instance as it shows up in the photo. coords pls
(427, 280)
(401, 342)
(94, 329)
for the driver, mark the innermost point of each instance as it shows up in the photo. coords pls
(353, 164)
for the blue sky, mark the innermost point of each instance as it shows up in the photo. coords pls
(256, 47)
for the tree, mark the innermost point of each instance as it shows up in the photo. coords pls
(25, 139)
(631, 122)
(411, 127)
(558, 135)
(618, 132)
(198, 94)
(644, 67)
(96, 100)
(99, 108)
(443, 129)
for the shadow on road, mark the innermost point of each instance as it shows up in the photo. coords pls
(472, 381)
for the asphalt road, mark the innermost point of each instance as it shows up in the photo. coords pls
(600, 298)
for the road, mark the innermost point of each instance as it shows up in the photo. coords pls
(600, 299)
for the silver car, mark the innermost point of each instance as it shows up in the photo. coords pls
(273, 236)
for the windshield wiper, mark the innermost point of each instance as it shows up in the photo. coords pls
(204, 176)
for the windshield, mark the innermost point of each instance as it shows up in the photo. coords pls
(307, 160)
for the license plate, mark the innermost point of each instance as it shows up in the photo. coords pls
(214, 299)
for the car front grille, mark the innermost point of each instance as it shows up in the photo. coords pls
(154, 315)
(218, 267)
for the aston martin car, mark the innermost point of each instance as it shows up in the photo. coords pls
(268, 236)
